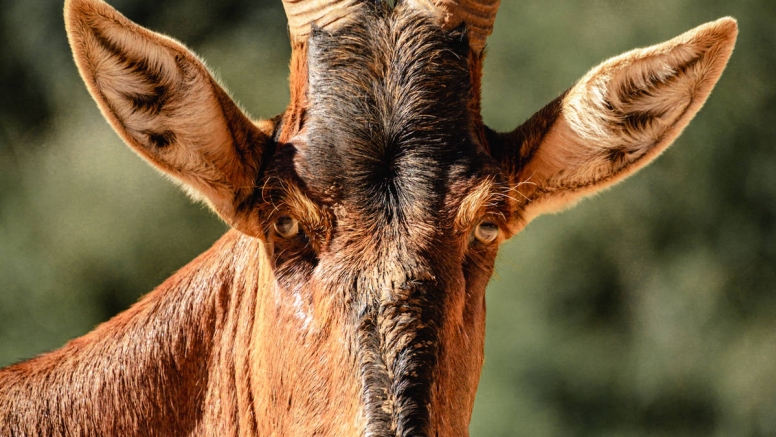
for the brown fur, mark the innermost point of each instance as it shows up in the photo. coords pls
(370, 321)
(294, 115)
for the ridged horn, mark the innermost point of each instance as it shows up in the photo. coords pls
(478, 15)
(326, 14)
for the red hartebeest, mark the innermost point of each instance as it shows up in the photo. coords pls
(348, 300)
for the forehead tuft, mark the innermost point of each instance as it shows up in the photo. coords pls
(388, 119)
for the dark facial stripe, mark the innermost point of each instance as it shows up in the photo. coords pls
(388, 125)
(374, 377)
(397, 349)
(409, 329)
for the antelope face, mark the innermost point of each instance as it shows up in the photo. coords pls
(391, 214)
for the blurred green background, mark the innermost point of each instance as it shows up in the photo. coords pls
(647, 311)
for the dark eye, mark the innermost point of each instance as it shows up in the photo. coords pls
(486, 232)
(287, 227)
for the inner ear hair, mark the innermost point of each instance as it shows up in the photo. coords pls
(615, 120)
(161, 99)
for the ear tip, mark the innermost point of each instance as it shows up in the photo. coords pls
(724, 30)
(76, 11)
(715, 39)
(729, 24)
(83, 10)
(727, 27)
(72, 7)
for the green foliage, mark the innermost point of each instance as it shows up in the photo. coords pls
(649, 310)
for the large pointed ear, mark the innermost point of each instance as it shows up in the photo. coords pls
(614, 121)
(169, 109)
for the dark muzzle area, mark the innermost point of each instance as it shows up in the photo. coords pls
(398, 336)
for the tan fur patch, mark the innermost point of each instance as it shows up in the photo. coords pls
(306, 210)
(473, 205)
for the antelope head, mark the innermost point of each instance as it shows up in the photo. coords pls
(379, 198)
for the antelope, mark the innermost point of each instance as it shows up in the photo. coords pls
(348, 299)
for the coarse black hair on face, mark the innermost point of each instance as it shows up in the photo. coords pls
(388, 124)
(388, 108)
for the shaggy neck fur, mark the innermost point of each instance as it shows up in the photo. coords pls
(170, 365)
